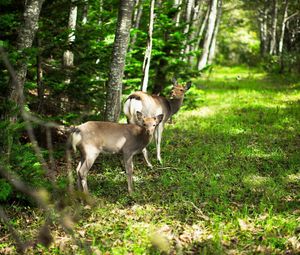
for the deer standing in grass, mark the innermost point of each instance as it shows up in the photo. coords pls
(152, 105)
(94, 137)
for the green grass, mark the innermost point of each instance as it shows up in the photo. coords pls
(229, 184)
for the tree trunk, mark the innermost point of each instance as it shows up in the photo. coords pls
(136, 21)
(201, 32)
(147, 58)
(263, 23)
(274, 27)
(214, 38)
(114, 88)
(196, 24)
(24, 41)
(188, 19)
(39, 77)
(85, 12)
(69, 55)
(177, 4)
(280, 45)
(209, 34)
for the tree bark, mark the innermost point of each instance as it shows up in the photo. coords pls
(24, 41)
(39, 77)
(263, 23)
(190, 5)
(147, 58)
(209, 34)
(114, 88)
(274, 27)
(177, 4)
(136, 21)
(69, 55)
(285, 12)
(214, 38)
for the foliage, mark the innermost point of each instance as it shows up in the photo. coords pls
(21, 159)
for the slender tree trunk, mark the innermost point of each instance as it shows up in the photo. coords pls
(274, 27)
(214, 38)
(196, 24)
(69, 55)
(85, 12)
(25, 38)
(147, 58)
(177, 4)
(285, 13)
(209, 34)
(39, 75)
(201, 32)
(190, 5)
(136, 21)
(114, 88)
(263, 23)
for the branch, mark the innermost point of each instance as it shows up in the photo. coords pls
(291, 16)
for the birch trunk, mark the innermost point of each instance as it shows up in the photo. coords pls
(274, 27)
(39, 77)
(136, 20)
(196, 24)
(263, 23)
(190, 5)
(114, 88)
(85, 12)
(25, 39)
(214, 38)
(147, 58)
(177, 5)
(68, 57)
(209, 34)
(283, 24)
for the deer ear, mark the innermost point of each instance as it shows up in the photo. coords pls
(159, 118)
(139, 116)
(174, 81)
(188, 85)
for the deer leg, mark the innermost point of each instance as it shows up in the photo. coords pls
(158, 134)
(83, 171)
(129, 170)
(145, 153)
(78, 175)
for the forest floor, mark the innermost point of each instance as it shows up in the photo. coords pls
(229, 183)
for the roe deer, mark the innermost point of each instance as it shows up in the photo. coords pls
(152, 105)
(94, 137)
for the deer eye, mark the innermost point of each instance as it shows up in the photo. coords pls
(182, 90)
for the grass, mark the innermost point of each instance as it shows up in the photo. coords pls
(229, 184)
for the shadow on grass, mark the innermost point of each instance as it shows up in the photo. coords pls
(240, 161)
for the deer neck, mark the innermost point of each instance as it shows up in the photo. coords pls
(145, 138)
(175, 104)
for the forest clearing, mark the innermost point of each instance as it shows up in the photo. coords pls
(229, 183)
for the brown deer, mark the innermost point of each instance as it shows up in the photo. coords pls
(152, 105)
(94, 137)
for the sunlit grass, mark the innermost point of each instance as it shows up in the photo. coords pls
(229, 183)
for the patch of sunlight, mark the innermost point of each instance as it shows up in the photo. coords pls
(203, 112)
(255, 182)
(258, 153)
(293, 178)
(284, 97)
(237, 131)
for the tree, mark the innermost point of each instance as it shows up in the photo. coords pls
(114, 87)
(209, 34)
(147, 57)
(25, 39)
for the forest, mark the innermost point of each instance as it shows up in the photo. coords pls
(193, 106)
